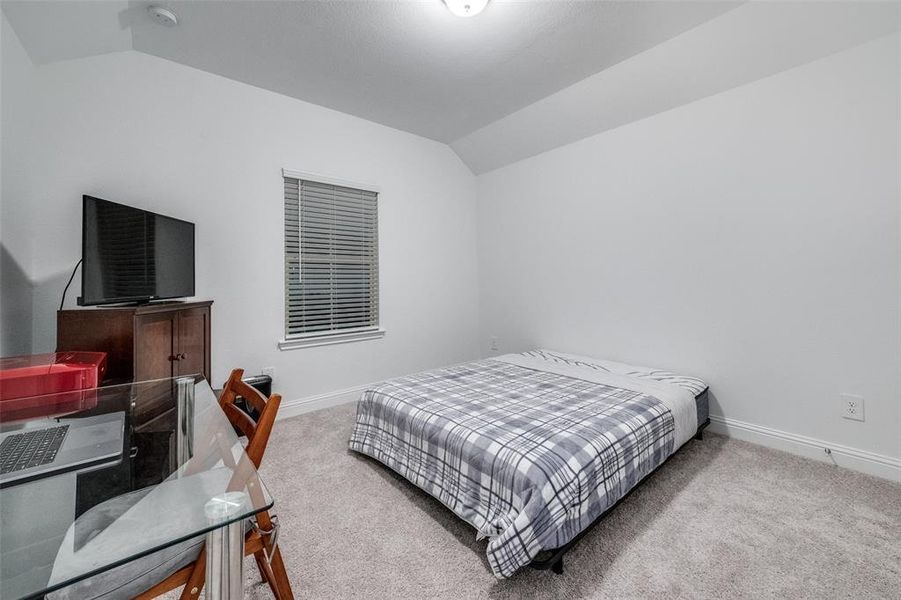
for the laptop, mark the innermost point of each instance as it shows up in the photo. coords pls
(51, 446)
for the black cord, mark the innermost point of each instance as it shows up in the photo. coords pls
(63, 299)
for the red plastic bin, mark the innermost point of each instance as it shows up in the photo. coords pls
(26, 383)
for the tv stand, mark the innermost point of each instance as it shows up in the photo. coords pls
(156, 340)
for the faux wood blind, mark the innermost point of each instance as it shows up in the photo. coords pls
(331, 259)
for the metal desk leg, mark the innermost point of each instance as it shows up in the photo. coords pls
(225, 549)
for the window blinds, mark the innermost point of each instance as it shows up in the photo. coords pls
(331, 259)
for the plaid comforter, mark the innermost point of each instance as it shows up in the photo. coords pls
(529, 458)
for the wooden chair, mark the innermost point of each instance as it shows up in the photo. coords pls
(260, 540)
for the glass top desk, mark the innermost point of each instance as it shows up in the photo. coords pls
(141, 467)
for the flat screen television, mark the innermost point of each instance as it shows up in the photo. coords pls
(133, 255)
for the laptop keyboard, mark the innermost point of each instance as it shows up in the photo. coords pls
(31, 448)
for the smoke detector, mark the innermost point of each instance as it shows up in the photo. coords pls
(163, 16)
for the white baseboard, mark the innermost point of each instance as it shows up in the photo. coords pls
(292, 408)
(870, 463)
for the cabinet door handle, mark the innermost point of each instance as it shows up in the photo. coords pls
(173, 357)
(182, 356)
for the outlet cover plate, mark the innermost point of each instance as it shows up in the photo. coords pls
(852, 407)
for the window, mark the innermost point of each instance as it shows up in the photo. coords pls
(331, 262)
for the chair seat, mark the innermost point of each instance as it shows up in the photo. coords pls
(134, 577)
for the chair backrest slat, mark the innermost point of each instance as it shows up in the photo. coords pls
(240, 419)
(257, 432)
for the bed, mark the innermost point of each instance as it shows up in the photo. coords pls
(530, 449)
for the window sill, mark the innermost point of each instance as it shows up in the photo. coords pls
(329, 339)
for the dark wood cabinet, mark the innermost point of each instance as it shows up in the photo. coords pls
(193, 335)
(152, 341)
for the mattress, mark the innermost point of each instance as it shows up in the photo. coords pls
(528, 448)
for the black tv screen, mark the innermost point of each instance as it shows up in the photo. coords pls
(133, 255)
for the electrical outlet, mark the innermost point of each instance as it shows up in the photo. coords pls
(852, 407)
(492, 344)
(270, 371)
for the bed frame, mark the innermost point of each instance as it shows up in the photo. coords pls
(553, 559)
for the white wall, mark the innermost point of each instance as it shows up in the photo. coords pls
(750, 238)
(16, 93)
(151, 133)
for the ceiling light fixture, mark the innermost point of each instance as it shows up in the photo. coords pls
(163, 16)
(466, 8)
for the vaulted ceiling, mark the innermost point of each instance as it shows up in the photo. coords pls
(516, 80)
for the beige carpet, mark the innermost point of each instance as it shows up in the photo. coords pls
(721, 519)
